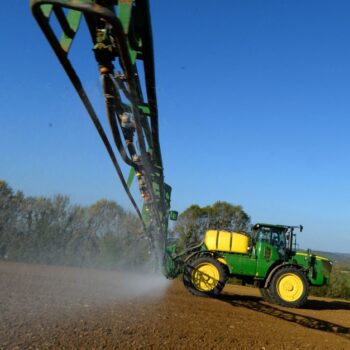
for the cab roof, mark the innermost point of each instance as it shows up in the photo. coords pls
(279, 227)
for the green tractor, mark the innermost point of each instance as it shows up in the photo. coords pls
(266, 257)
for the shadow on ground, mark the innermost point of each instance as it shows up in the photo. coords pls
(257, 304)
(327, 305)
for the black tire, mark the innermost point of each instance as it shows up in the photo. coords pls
(265, 293)
(204, 276)
(289, 287)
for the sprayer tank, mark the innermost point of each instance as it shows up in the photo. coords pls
(226, 241)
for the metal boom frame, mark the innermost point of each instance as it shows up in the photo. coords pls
(121, 35)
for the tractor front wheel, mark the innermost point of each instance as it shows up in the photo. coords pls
(289, 287)
(265, 293)
(204, 276)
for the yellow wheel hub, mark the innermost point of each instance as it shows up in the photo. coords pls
(290, 287)
(205, 277)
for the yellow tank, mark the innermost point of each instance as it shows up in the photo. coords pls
(226, 241)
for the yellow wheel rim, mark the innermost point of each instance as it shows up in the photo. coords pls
(290, 287)
(205, 277)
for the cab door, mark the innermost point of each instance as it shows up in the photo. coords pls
(266, 255)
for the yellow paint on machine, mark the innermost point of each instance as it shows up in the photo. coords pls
(290, 287)
(317, 256)
(226, 241)
(223, 261)
(205, 277)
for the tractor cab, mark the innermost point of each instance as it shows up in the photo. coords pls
(280, 237)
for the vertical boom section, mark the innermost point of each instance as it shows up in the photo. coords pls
(122, 45)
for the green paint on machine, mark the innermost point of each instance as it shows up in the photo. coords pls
(270, 262)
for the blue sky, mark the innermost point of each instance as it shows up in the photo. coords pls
(253, 102)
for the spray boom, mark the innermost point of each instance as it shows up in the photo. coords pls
(122, 45)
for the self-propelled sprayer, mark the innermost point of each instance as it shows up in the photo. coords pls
(121, 37)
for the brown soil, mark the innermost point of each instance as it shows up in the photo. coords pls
(44, 307)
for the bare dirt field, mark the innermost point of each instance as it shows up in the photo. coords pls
(48, 307)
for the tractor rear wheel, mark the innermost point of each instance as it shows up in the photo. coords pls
(289, 287)
(204, 276)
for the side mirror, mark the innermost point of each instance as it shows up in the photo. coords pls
(173, 215)
(301, 228)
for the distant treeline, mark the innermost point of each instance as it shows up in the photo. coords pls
(54, 231)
